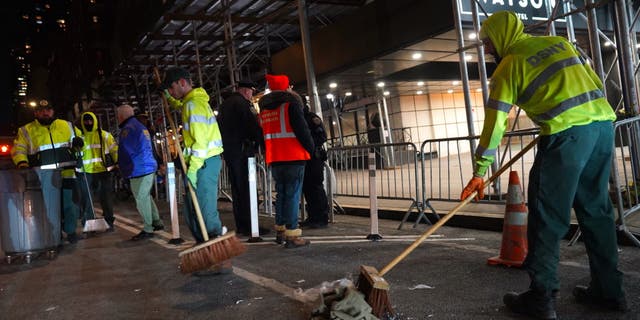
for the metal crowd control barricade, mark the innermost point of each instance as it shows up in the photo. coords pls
(447, 166)
(395, 181)
(30, 213)
(625, 176)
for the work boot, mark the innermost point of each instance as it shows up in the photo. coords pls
(584, 295)
(280, 233)
(142, 235)
(540, 305)
(293, 239)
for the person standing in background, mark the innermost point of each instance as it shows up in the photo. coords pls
(49, 143)
(288, 145)
(241, 133)
(99, 157)
(137, 163)
(313, 186)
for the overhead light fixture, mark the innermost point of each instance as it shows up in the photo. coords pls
(421, 83)
(330, 96)
(479, 90)
(380, 84)
(467, 57)
(416, 55)
(348, 94)
(333, 85)
(455, 82)
(32, 103)
(608, 44)
(386, 93)
(419, 92)
(450, 91)
(472, 36)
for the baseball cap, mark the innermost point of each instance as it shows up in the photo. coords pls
(247, 84)
(172, 75)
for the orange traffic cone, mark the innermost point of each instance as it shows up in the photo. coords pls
(514, 229)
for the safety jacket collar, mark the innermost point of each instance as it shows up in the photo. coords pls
(196, 93)
(504, 29)
(275, 98)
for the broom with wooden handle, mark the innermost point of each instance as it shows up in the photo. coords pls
(211, 252)
(371, 282)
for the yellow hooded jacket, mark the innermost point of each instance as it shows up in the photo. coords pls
(200, 130)
(543, 75)
(98, 145)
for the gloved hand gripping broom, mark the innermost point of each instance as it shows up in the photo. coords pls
(204, 255)
(371, 282)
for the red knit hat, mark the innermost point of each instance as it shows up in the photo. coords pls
(277, 82)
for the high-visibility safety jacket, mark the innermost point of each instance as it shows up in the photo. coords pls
(200, 130)
(46, 146)
(545, 76)
(280, 142)
(100, 147)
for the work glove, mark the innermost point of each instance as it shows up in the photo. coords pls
(77, 142)
(192, 176)
(475, 184)
(23, 165)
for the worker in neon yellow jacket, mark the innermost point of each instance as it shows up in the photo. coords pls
(203, 147)
(547, 78)
(49, 144)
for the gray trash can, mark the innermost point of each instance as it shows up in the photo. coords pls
(30, 218)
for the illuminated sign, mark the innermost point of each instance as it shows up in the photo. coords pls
(529, 11)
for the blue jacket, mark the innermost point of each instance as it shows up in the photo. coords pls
(135, 155)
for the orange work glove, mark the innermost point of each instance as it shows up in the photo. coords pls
(475, 184)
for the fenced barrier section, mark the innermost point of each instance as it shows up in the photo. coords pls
(447, 165)
(396, 172)
(625, 175)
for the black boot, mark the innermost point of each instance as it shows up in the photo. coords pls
(540, 305)
(584, 295)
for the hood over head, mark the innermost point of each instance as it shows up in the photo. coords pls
(94, 127)
(504, 29)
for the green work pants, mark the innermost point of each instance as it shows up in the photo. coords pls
(141, 189)
(572, 169)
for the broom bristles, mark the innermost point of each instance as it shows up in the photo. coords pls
(207, 254)
(375, 290)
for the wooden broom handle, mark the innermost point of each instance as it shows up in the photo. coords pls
(455, 210)
(194, 198)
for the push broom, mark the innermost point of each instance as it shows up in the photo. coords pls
(371, 282)
(210, 252)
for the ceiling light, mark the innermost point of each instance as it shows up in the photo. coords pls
(450, 91)
(421, 83)
(32, 103)
(333, 85)
(419, 92)
(467, 57)
(416, 56)
(479, 90)
(348, 93)
(386, 93)
(380, 84)
(330, 96)
(472, 36)
(455, 82)
(608, 44)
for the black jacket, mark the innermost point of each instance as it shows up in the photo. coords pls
(296, 116)
(239, 127)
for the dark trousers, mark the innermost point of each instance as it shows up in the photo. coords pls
(314, 194)
(572, 169)
(102, 185)
(239, 176)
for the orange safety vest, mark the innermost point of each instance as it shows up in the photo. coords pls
(280, 141)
